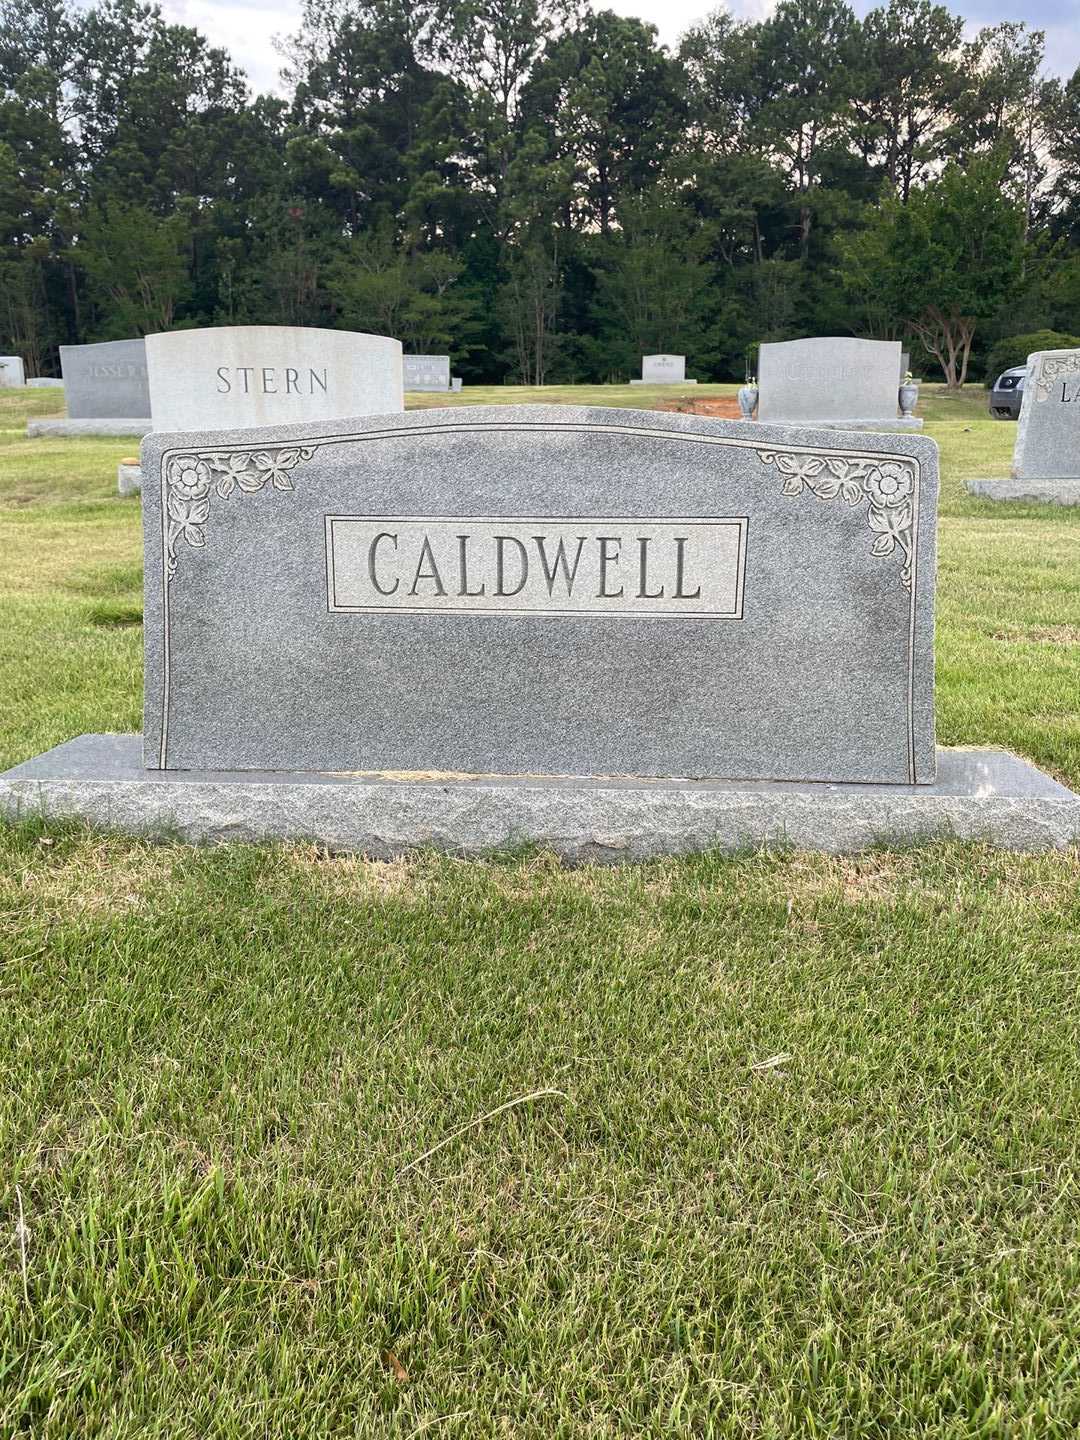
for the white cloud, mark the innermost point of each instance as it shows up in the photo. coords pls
(246, 27)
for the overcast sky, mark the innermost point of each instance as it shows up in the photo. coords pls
(246, 27)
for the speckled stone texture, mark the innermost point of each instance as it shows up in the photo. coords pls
(1048, 432)
(101, 381)
(72, 428)
(827, 675)
(984, 795)
(1050, 492)
(830, 379)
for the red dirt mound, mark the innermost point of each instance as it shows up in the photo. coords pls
(720, 407)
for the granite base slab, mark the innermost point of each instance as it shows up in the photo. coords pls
(987, 795)
(1065, 491)
(71, 429)
(663, 382)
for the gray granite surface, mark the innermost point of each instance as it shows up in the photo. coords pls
(987, 795)
(106, 380)
(307, 607)
(829, 378)
(44, 382)
(73, 428)
(1048, 432)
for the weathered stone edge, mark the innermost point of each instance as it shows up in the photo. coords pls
(390, 818)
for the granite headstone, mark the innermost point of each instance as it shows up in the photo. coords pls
(1048, 435)
(852, 384)
(427, 372)
(541, 590)
(254, 375)
(106, 381)
(12, 372)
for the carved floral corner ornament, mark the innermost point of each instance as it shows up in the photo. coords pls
(888, 486)
(1054, 367)
(191, 480)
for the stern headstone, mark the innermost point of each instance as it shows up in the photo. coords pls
(245, 376)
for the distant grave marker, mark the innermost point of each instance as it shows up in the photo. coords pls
(427, 372)
(12, 372)
(663, 370)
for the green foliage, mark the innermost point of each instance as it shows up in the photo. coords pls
(1015, 349)
(137, 267)
(537, 186)
(941, 262)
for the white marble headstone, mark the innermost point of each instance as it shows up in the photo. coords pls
(242, 376)
(663, 369)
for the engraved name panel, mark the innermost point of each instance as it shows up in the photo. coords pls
(536, 565)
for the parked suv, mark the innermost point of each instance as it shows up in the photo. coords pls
(1007, 393)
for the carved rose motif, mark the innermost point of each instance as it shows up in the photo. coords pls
(189, 480)
(889, 484)
(885, 487)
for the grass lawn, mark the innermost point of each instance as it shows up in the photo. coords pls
(293, 1146)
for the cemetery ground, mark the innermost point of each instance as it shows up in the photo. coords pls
(295, 1145)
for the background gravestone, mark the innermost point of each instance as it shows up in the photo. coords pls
(106, 381)
(541, 590)
(1048, 434)
(426, 372)
(12, 372)
(1046, 459)
(255, 375)
(838, 380)
(662, 370)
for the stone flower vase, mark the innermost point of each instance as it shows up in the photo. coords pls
(748, 398)
(909, 396)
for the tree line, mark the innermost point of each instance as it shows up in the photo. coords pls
(539, 188)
